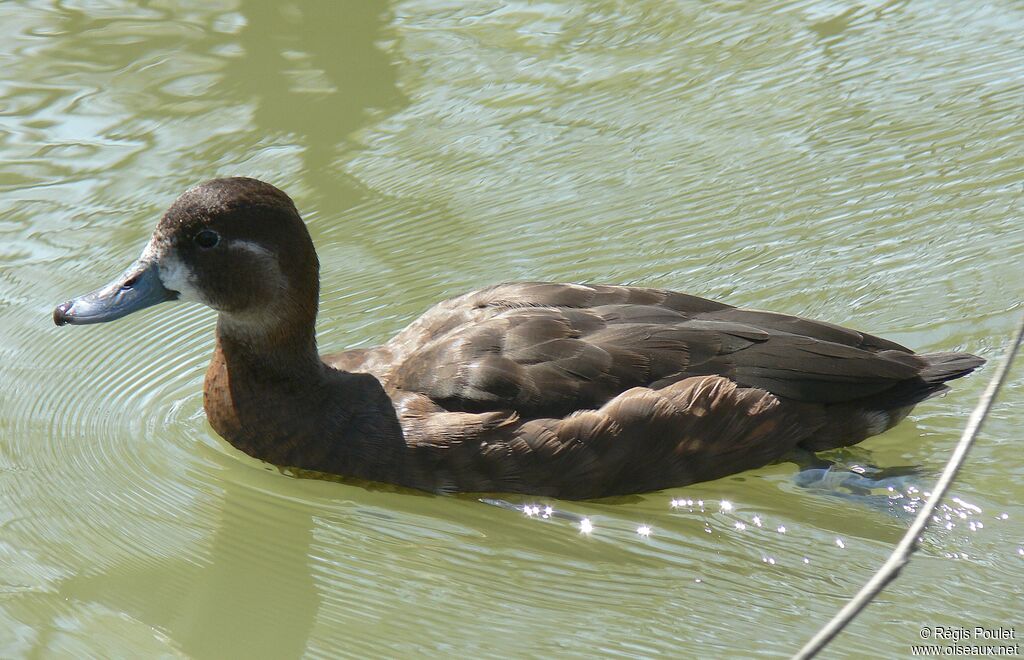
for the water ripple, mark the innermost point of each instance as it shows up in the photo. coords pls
(852, 163)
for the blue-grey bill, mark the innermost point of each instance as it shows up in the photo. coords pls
(137, 288)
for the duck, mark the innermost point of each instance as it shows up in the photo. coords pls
(571, 391)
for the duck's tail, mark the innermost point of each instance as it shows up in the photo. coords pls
(935, 370)
(940, 367)
(850, 423)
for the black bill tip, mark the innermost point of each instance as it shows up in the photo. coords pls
(60, 313)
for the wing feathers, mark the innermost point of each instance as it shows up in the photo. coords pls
(547, 349)
(684, 430)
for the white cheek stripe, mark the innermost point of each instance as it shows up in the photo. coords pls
(250, 246)
(266, 259)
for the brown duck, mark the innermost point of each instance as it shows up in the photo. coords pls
(565, 390)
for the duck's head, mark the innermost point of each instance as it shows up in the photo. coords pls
(237, 245)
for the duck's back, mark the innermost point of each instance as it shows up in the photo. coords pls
(544, 351)
(550, 349)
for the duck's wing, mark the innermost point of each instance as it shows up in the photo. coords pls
(549, 349)
(697, 429)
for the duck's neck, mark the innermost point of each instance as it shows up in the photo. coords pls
(284, 350)
(272, 397)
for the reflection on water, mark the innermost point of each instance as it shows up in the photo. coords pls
(264, 74)
(851, 162)
(314, 64)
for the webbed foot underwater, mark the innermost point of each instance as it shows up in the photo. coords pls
(562, 390)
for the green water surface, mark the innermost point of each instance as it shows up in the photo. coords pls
(858, 162)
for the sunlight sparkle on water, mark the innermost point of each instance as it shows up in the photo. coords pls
(967, 505)
(840, 543)
(644, 531)
(586, 527)
(535, 511)
(679, 503)
(725, 505)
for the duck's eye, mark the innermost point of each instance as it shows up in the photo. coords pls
(207, 239)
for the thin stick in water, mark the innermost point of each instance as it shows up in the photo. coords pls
(908, 544)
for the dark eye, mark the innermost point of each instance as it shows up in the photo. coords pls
(207, 239)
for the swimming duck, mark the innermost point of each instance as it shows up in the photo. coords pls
(564, 390)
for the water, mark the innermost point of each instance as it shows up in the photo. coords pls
(856, 162)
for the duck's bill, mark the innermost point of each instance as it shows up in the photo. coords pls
(137, 288)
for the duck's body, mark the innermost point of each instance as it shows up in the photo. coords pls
(551, 389)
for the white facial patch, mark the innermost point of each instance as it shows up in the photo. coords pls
(176, 277)
(173, 273)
